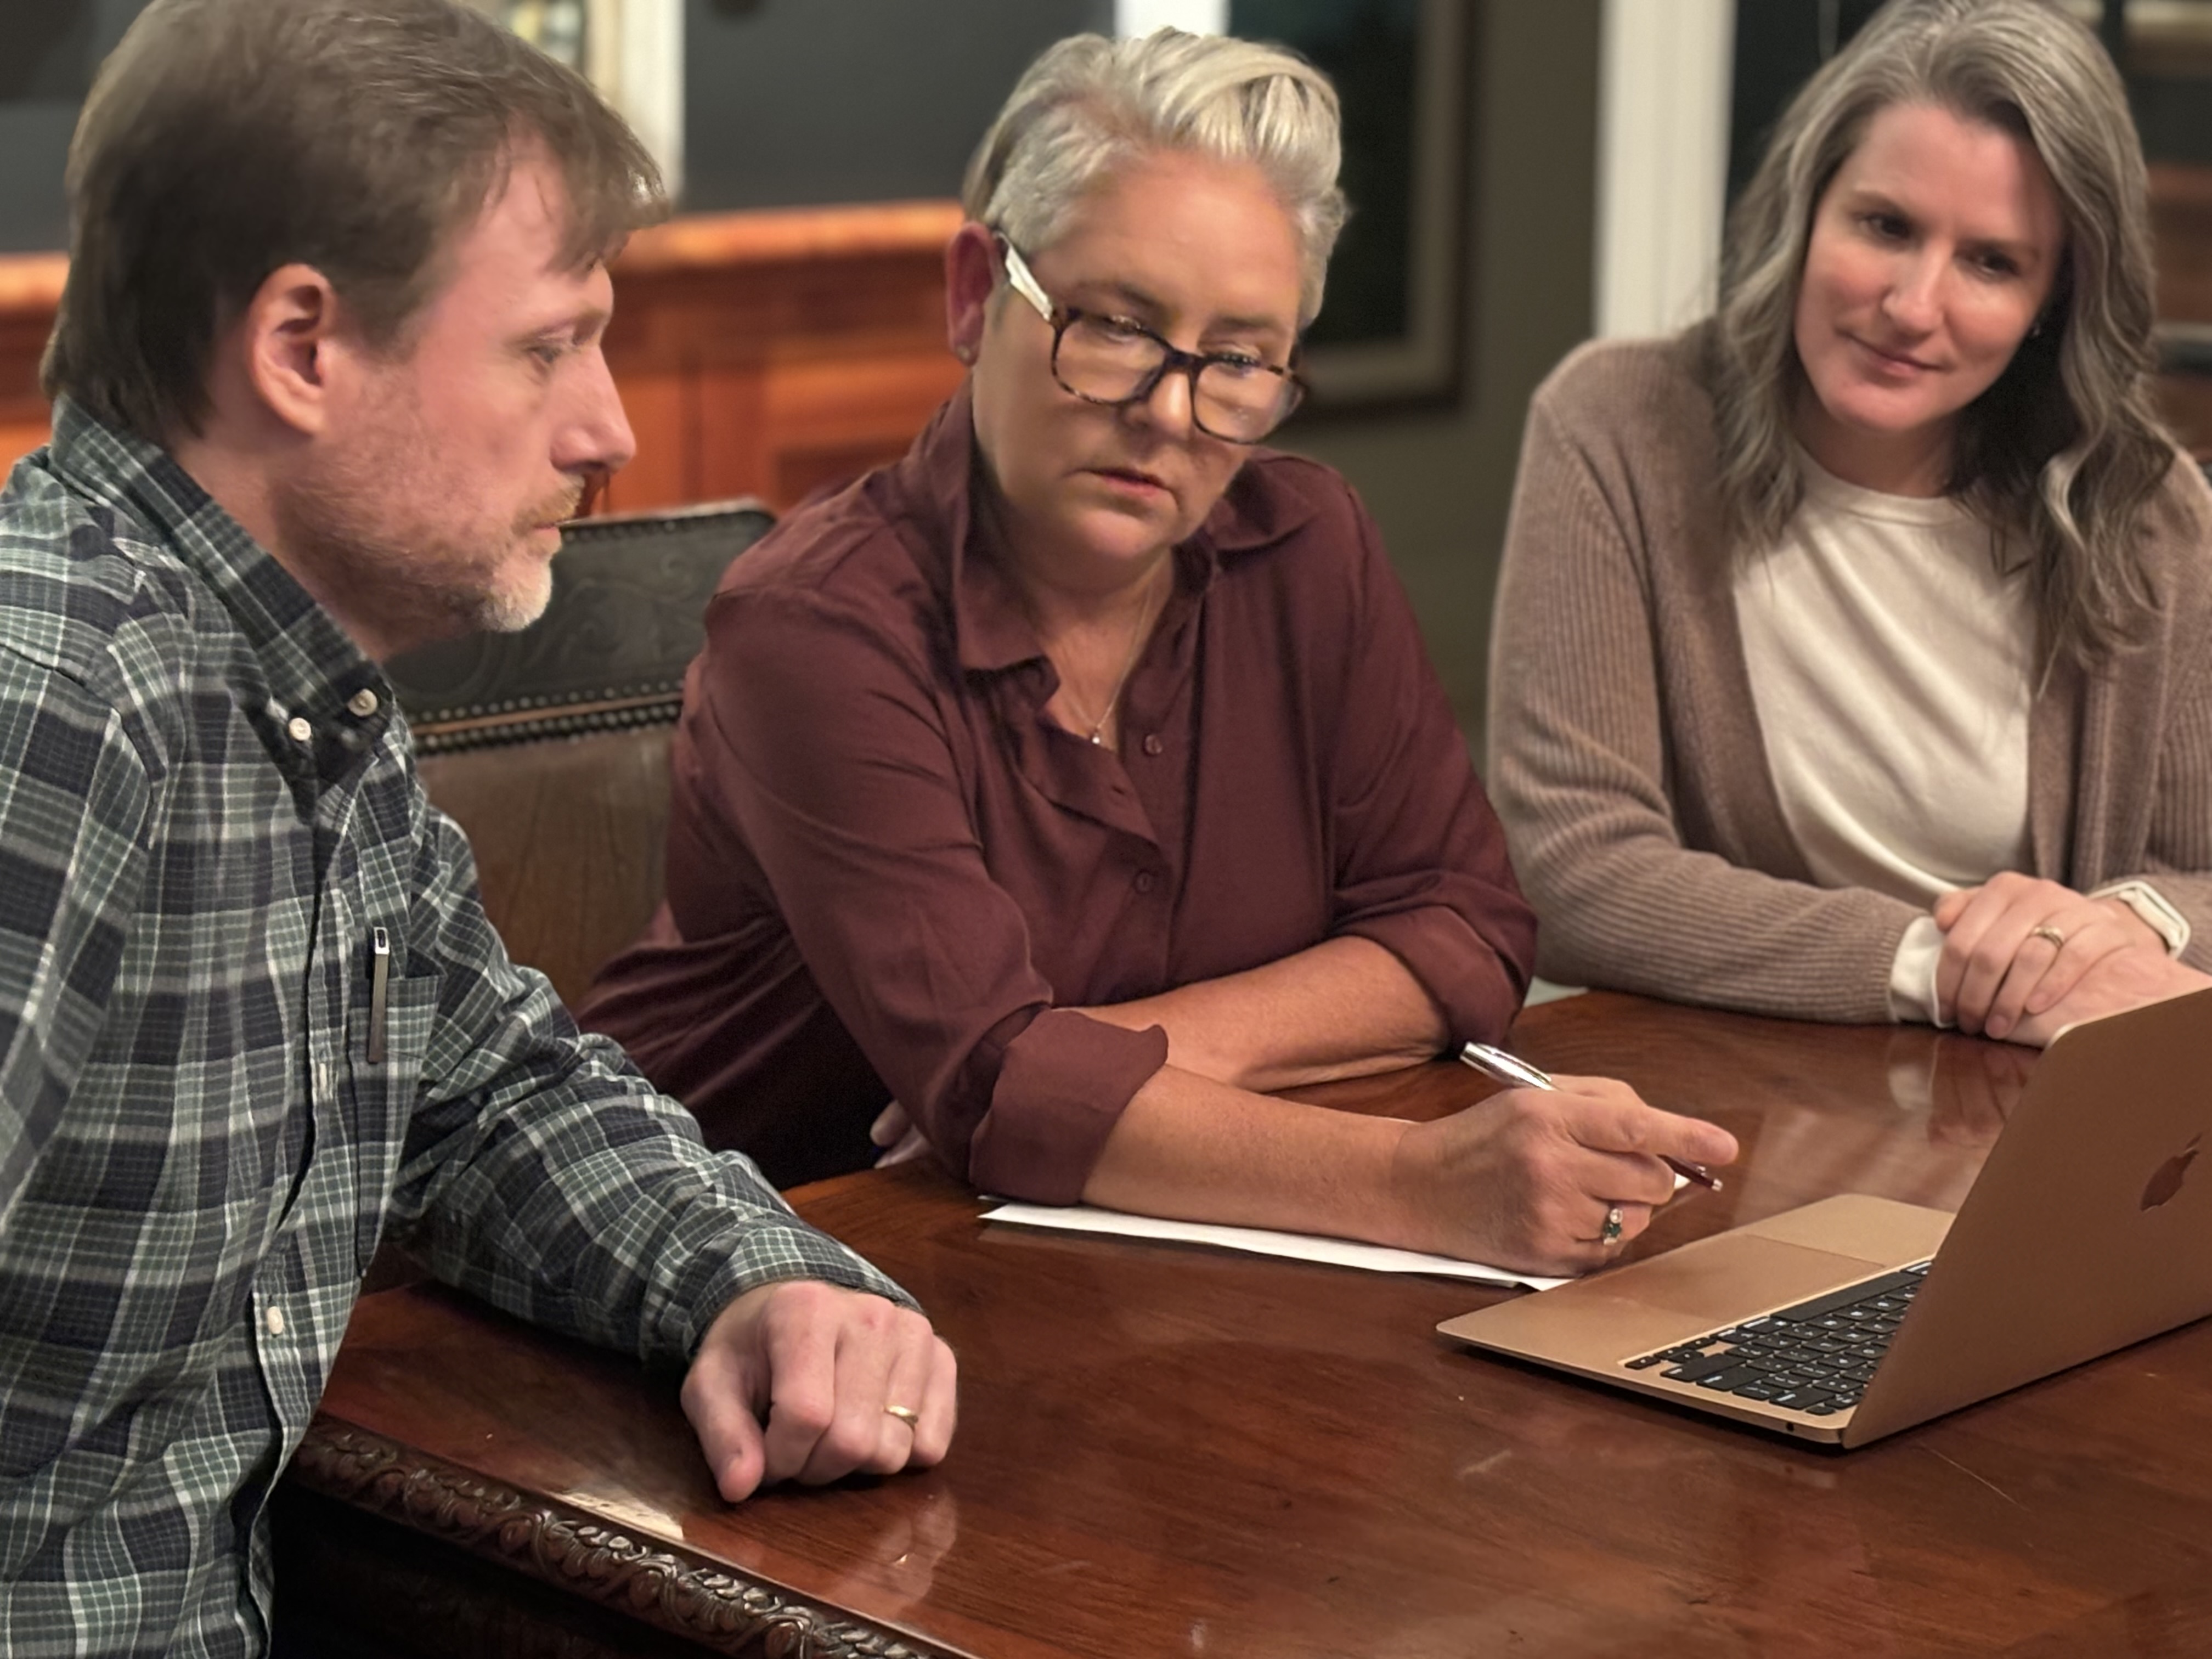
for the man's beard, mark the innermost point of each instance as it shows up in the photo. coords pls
(407, 577)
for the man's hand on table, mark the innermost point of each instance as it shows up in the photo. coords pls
(824, 1366)
(1524, 1178)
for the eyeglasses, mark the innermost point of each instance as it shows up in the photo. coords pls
(1114, 360)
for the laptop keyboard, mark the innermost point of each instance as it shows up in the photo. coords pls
(1815, 1358)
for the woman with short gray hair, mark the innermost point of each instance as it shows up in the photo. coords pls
(1090, 103)
(1854, 649)
(1082, 776)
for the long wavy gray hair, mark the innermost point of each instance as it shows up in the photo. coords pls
(2062, 454)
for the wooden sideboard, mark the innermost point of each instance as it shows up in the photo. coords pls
(2181, 225)
(758, 354)
(30, 289)
(766, 354)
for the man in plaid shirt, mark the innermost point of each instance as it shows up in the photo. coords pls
(328, 377)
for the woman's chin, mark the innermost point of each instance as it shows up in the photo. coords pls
(1125, 537)
(1878, 410)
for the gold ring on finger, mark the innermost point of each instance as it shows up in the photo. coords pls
(905, 1414)
(2046, 931)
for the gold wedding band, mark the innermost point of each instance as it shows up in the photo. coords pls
(905, 1414)
(2046, 931)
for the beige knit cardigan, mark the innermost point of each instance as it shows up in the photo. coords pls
(1626, 757)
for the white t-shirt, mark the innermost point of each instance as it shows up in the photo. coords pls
(1891, 662)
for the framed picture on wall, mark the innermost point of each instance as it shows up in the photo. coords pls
(1390, 328)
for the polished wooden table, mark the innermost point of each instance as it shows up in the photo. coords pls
(1170, 1450)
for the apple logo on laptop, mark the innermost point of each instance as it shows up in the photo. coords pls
(2165, 1180)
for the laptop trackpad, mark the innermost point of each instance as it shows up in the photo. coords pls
(1732, 1276)
(1595, 1322)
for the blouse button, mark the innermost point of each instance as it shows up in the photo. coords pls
(1152, 744)
(300, 730)
(362, 702)
(1144, 880)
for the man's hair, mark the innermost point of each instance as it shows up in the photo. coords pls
(225, 138)
(1089, 105)
(2061, 455)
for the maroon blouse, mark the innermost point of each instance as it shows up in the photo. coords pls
(892, 876)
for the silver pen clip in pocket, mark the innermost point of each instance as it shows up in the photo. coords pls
(379, 982)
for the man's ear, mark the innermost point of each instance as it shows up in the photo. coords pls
(971, 271)
(286, 338)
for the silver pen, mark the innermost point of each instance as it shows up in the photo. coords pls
(1511, 1069)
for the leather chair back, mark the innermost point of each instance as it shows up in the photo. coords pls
(549, 747)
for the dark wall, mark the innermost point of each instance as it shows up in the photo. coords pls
(1369, 48)
(790, 101)
(1779, 43)
(786, 101)
(1439, 481)
(48, 51)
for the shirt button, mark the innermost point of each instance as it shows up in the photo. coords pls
(1144, 881)
(1152, 744)
(300, 730)
(362, 702)
(273, 1322)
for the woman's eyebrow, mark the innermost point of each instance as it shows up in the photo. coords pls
(1139, 298)
(1251, 324)
(2025, 253)
(1873, 196)
(1127, 293)
(1870, 196)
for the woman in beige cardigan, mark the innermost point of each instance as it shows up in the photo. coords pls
(1854, 649)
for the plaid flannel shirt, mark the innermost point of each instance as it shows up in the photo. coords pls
(210, 832)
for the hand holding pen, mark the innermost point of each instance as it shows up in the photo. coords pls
(1552, 1175)
(1512, 1070)
(1614, 1142)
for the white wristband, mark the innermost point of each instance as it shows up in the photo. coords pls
(2151, 907)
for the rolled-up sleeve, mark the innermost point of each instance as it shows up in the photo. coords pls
(1060, 1089)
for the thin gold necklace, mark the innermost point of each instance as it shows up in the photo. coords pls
(1096, 734)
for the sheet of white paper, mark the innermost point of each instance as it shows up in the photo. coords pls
(1302, 1247)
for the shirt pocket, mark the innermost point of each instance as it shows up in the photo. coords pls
(392, 1020)
(386, 1046)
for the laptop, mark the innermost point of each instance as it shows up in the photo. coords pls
(2088, 1228)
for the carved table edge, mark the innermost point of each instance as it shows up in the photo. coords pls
(688, 1595)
